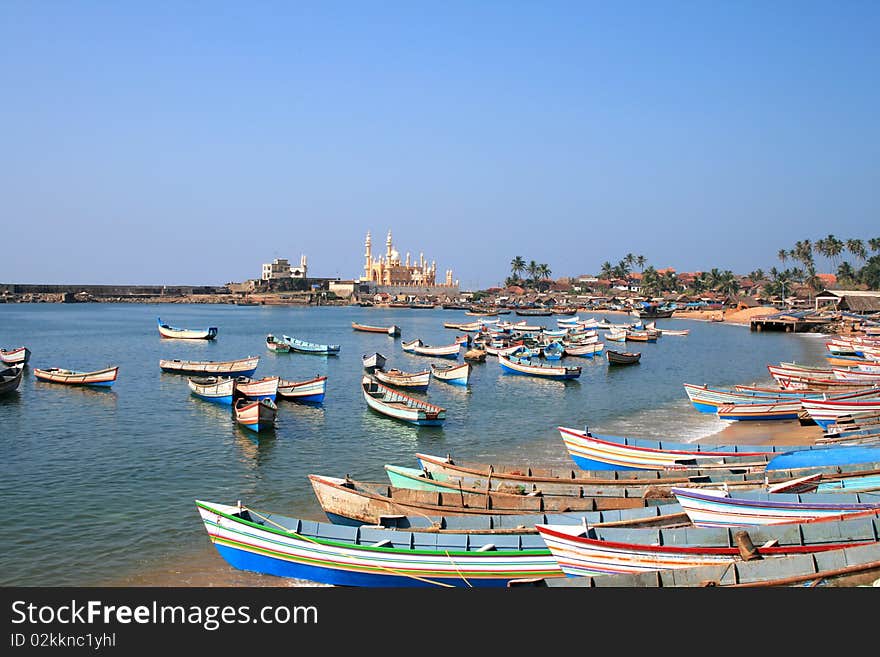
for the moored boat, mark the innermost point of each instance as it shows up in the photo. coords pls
(10, 378)
(310, 391)
(457, 374)
(516, 365)
(240, 367)
(444, 351)
(392, 330)
(276, 345)
(303, 347)
(213, 388)
(783, 410)
(103, 378)
(399, 406)
(167, 331)
(266, 388)
(400, 379)
(623, 357)
(372, 361)
(255, 415)
(19, 356)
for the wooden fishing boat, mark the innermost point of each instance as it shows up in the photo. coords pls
(553, 351)
(104, 378)
(851, 566)
(534, 312)
(674, 331)
(445, 351)
(392, 330)
(240, 367)
(213, 388)
(255, 415)
(515, 365)
(600, 550)
(642, 336)
(601, 452)
(276, 345)
(265, 388)
(475, 355)
(616, 336)
(825, 456)
(10, 378)
(587, 350)
(373, 361)
(303, 347)
(506, 350)
(707, 508)
(655, 313)
(311, 391)
(623, 357)
(708, 399)
(399, 406)
(366, 502)
(167, 331)
(825, 411)
(525, 478)
(362, 556)
(19, 356)
(783, 410)
(861, 376)
(457, 374)
(401, 379)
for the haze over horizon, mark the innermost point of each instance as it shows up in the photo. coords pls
(190, 143)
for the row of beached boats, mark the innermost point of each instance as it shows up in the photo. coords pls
(473, 524)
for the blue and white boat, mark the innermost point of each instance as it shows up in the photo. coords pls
(304, 347)
(217, 389)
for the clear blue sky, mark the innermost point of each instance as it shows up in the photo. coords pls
(189, 142)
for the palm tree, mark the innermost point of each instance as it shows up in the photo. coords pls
(517, 266)
(640, 261)
(669, 281)
(622, 269)
(857, 248)
(833, 247)
(783, 255)
(630, 260)
(650, 281)
(874, 244)
(532, 271)
(845, 272)
(757, 275)
(607, 271)
(544, 271)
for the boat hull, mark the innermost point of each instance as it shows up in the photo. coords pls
(99, 378)
(309, 392)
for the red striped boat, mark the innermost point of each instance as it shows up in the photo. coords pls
(392, 330)
(15, 356)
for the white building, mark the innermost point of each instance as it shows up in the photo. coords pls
(281, 268)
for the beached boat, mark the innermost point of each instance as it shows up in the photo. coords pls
(10, 378)
(515, 365)
(392, 330)
(824, 456)
(19, 356)
(213, 388)
(783, 410)
(276, 345)
(104, 378)
(602, 550)
(348, 501)
(373, 361)
(708, 508)
(255, 415)
(266, 388)
(311, 391)
(167, 331)
(851, 566)
(825, 411)
(861, 376)
(401, 379)
(708, 399)
(623, 357)
(534, 312)
(241, 367)
(303, 347)
(362, 556)
(399, 406)
(457, 374)
(601, 452)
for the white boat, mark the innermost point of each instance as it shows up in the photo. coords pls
(399, 406)
(266, 388)
(18, 356)
(457, 374)
(167, 331)
(213, 388)
(310, 391)
(372, 361)
(400, 379)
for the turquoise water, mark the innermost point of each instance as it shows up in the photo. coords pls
(101, 484)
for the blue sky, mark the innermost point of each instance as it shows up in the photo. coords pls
(189, 142)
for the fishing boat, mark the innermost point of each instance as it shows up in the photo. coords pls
(623, 357)
(400, 379)
(601, 452)
(311, 391)
(457, 374)
(445, 351)
(861, 376)
(825, 456)
(213, 388)
(392, 330)
(19, 356)
(587, 350)
(348, 501)
(534, 312)
(475, 355)
(303, 347)
(373, 361)
(641, 336)
(10, 378)
(515, 365)
(276, 345)
(708, 508)
(654, 312)
(674, 331)
(265, 388)
(394, 404)
(616, 336)
(708, 399)
(255, 415)
(850, 566)
(553, 351)
(601, 550)
(240, 367)
(272, 544)
(506, 350)
(167, 331)
(783, 410)
(104, 378)
(825, 411)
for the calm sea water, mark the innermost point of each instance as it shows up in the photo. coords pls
(101, 484)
